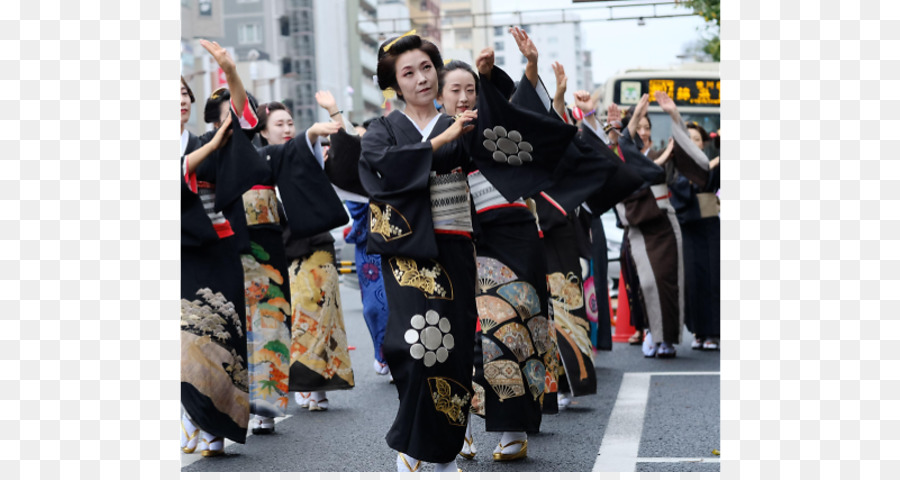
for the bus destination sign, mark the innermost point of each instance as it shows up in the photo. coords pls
(685, 91)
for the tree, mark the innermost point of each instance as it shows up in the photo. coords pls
(709, 10)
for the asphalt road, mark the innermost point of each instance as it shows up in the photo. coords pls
(664, 416)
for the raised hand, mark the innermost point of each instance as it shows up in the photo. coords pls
(584, 101)
(666, 103)
(613, 114)
(322, 129)
(526, 46)
(222, 57)
(485, 62)
(641, 108)
(326, 100)
(561, 79)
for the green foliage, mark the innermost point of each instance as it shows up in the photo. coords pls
(710, 11)
(279, 348)
(259, 252)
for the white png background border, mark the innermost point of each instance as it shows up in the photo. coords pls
(89, 242)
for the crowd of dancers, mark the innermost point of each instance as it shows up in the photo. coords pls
(472, 210)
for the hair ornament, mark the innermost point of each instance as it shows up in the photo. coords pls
(388, 46)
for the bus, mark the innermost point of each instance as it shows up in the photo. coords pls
(694, 87)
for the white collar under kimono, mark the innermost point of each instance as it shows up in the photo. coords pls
(185, 136)
(426, 132)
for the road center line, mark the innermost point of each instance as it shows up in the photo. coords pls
(622, 438)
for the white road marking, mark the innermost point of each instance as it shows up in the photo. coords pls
(622, 438)
(677, 460)
(187, 459)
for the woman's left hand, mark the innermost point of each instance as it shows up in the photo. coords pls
(561, 79)
(323, 129)
(485, 62)
(326, 100)
(220, 54)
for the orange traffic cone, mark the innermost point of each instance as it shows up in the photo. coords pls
(624, 329)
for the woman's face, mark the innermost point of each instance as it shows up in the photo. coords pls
(279, 127)
(185, 106)
(458, 94)
(417, 78)
(643, 131)
(696, 137)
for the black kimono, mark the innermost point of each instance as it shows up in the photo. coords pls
(319, 357)
(515, 342)
(694, 190)
(421, 224)
(309, 204)
(654, 243)
(214, 378)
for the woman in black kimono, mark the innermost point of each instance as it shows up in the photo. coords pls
(654, 242)
(413, 165)
(514, 333)
(215, 172)
(319, 359)
(694, 183)
(295, 173)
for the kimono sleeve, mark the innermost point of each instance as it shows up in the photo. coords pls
(238, 168)
(583, 171)
(688, 159)
(396, 178)
(342, 166)
(310, 202)
(504, 84)
(650, 172)
(196, 229)
(516, 149)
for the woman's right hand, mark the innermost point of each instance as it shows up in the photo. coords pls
(458, 129)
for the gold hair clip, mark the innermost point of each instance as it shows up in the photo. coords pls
(217, 92)
(388, 94)
(448, 60)
(388, 46)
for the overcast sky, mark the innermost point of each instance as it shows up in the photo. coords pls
(621, 44)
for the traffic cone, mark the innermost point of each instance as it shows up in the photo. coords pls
(624, 329)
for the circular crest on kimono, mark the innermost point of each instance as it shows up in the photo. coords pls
(429, 338)
(507, 146)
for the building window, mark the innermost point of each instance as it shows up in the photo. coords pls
(553, 40)
(498, 45)
(249, 33)
(500, 60)
(464, 35)
(205, 7)
(498, 31)
(247, 1)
